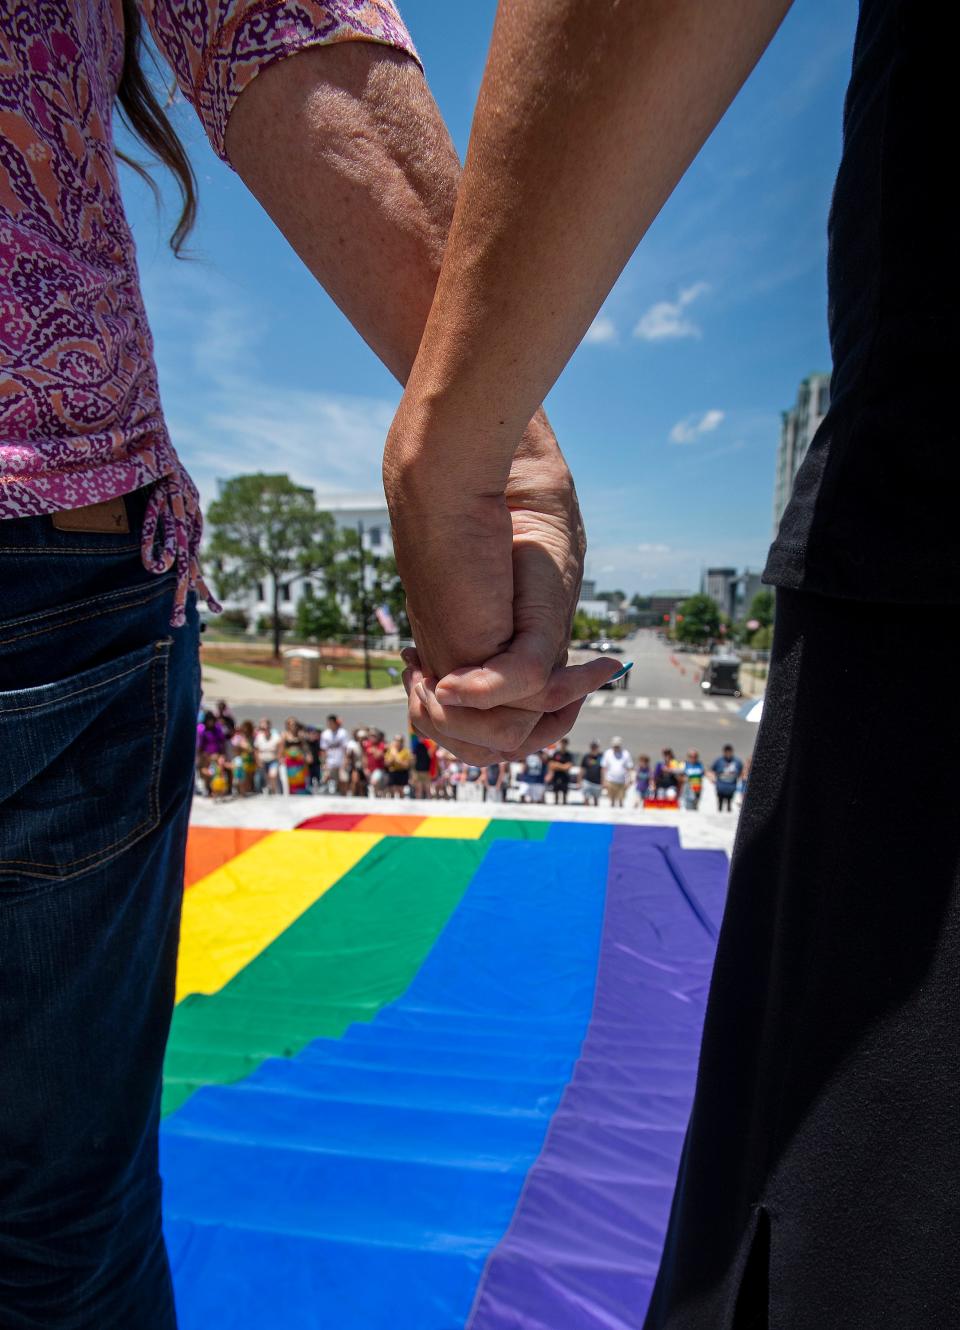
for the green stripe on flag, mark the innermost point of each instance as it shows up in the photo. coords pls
(358, 948)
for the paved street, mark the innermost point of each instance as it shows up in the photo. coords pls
(662, 706)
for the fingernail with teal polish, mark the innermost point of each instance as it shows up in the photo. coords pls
(621, 672)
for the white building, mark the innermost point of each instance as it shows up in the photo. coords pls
(348, 512)
(799, 426)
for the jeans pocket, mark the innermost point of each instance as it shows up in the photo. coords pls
(80, 763)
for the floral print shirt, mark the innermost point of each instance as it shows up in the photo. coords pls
(80, 413)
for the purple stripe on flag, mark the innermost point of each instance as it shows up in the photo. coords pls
(584, 1244)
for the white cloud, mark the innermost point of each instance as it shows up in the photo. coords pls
(692, 427)
(226, 418)
(645, 547)
(602, 331)
(669, 319)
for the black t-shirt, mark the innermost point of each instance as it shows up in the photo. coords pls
(873, 515)
(421, 758)
(591, 768)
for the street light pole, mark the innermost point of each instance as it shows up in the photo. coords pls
(364, 609)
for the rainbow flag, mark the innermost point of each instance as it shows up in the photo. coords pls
(431, 1073)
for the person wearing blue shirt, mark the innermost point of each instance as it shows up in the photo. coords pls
(726, 774)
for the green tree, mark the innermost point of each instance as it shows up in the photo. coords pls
(762, 607)
(379, 585)
(264, 528)
(584, 627)
(319, 617)
(698, 620)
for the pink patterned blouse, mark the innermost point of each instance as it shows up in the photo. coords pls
(80, 414)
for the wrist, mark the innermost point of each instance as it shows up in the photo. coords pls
(436, 444)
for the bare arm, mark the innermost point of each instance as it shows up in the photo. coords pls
(588, 116)
(345, 148)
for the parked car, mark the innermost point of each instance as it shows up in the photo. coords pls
(604, 644)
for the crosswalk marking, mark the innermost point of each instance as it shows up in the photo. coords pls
(620, 701)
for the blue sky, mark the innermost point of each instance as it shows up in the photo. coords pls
(668, 412)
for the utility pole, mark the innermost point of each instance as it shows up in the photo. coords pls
(364, 608)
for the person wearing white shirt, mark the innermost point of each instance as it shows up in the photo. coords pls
(333, 745)
(616, 765)
(266, 744)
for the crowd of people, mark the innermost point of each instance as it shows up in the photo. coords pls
(238, 759)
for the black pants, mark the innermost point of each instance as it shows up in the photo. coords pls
(725, 801)
(818, 1185)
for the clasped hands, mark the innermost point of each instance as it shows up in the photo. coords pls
(492, 566)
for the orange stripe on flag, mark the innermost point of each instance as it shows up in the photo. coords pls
(386, 824)
(209, 848)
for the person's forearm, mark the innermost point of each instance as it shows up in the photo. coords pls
(587, 117)
(345, 148)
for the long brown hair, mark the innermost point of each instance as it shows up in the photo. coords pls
(146, 118)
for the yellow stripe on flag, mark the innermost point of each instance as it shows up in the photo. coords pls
(452, 828)
(233, 913)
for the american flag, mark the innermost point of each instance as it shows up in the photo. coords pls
(385, 619)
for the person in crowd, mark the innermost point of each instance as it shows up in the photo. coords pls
(353, 776)
(398, 760)
(266, 743)
(616, 765)
(472, 780)
(560, 767)
(292, 755)
(642, 779)
(243, 758)
(693, 776)
(726, 772)
(453, 775)
(211, 743)
(333, 745)
(421, 780)
(219, 776)
(310, 736)
(591, 774)
(496, 778)
(666, 777)
(374, 766)
(226, 717)
(533, 778)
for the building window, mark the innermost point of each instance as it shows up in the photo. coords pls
(823, 399)
(375, 538)
(260, 595)
(285, 592)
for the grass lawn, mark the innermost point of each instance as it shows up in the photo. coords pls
(335, 678)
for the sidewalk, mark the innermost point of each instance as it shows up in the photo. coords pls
(238, 690)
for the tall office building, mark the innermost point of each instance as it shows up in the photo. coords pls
(720, 585)
(799, 426)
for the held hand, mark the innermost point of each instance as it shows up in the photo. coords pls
(492, 581)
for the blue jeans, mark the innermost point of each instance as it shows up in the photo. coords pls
(98, 705)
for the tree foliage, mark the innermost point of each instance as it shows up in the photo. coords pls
(762, 607)
(319, 617)
(698, 619)
(265, 529)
